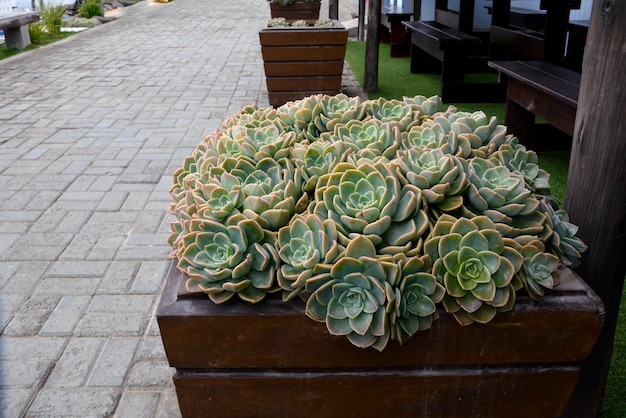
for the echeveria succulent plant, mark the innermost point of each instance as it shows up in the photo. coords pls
(476, 266)
(226, 260)
(379, 214)
(353, 302)
(415, 298)
(303, 246)
(368, 200)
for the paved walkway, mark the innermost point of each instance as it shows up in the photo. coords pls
(91, 129)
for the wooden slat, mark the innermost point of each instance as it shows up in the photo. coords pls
(303, 53)
(455, 393)
(309, 83)
(551, 79)
(303, 36)
(283, 69)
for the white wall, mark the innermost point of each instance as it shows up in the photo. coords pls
(27, 4)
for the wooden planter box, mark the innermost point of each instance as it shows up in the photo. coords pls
(270, 360)
(303, 61)
(299, 10)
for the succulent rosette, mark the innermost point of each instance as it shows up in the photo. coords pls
(305, 247)
(223, 261)
(501, 195)
(353, 301)
(268, 140)
(370, 138)
(338, 110)
(476, 265)
(272, 191)
(429, 105)
(402, 113)
(415, 298)
(428, 135)
(560, 234)
(300, 118)
(441, 177)
(369, 200)
(538, 271)
(516, 158)
(316, 159)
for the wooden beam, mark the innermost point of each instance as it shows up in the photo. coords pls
(371, 46)
(596, 194)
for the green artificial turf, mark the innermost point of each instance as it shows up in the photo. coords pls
(395, 81)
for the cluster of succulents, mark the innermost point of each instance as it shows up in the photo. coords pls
(378, 214)
(281, 22)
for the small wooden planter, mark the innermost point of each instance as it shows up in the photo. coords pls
(298, 10)
(302, 61)
(270, 360)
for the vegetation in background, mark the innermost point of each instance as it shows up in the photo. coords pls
(396, 81)
(36, 33)
(51, 15)
(91, 8)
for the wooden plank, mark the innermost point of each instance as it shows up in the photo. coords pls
(197, 333)
(454, 393)
(595, 198)
(544, 105)
(303, 53)
(303, 36)
(439, 32)
(556, 81)
(506, 42)
(309, 83)
(282, 69)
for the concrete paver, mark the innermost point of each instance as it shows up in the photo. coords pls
(91, 129)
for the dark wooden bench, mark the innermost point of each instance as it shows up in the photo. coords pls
(392, 31)
(509, 40)
(15, 27)
(538, 88)
(435, 45)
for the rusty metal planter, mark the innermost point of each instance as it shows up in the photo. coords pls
(270, 360)
(302, 61)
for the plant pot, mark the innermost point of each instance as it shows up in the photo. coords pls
(298, 10)
(302, 61)
(241, 360)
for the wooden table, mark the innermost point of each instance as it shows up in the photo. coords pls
(391, 18)
(538, 88)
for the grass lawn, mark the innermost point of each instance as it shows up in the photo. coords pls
(395, 81)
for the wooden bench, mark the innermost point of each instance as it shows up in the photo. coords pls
(433, 41)
(508, 41)
(392, 31)
(538, 88)
(15, 27)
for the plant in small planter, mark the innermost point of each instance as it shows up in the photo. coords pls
(381, 220)
(295, 9)
(302, 58)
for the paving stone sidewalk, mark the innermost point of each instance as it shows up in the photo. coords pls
(91, 129)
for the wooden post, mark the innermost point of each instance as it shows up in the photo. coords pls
(371, 46)
(333, 9)
(596, 193)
